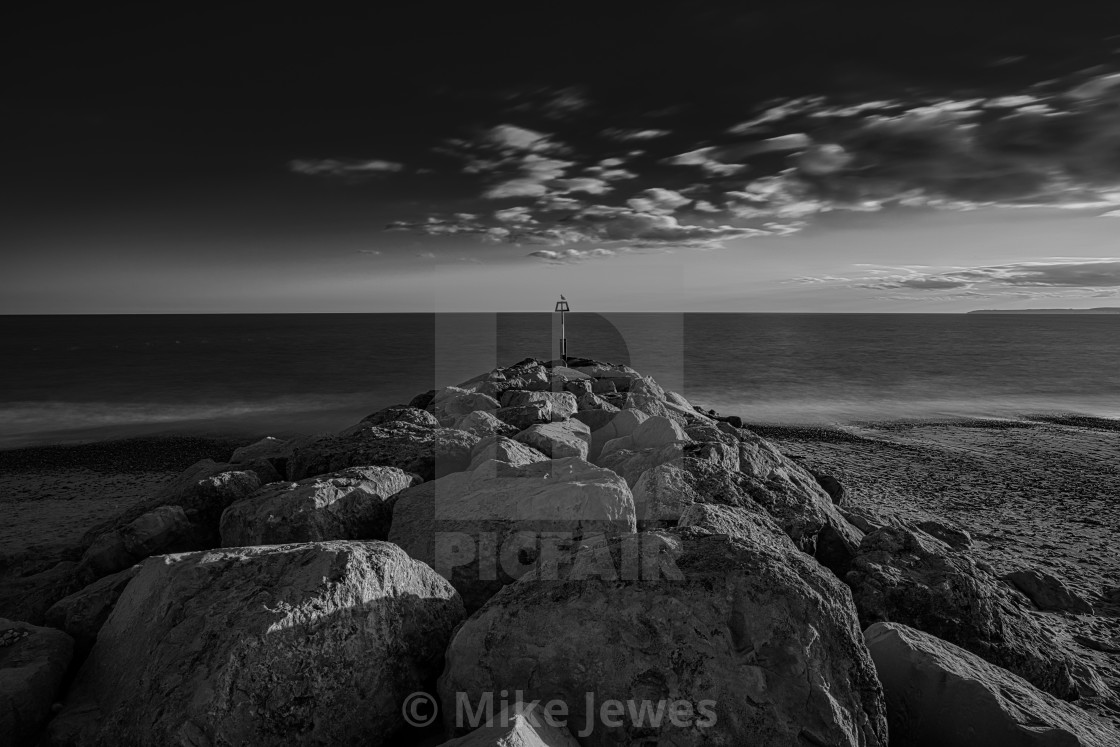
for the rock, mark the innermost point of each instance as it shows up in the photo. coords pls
(506, 450)
(404, 414)
(676, 399)
(707, 431)
(562, 404)
(653, 406)
(266, 448)
(865, 519)
(483, 424)
(733, 420)
(1048, 592)
(603, 386)
(830, 485)
(33, 663)
(620, 376)
(570, 438)
(939, 694)
(486, 528)
(950, 534)
(452, 403)
(259, 645)
(353, 504)
(622, 424)
(748, 523)
(761, 644)
(564, 374)
(595, 419)
(645, 386)
(81, 614)
(163, 530)
(656, 432)
(906, 576)
(577, 388)
(837, 545)
(785, 489)
(663, 493)
(412, 448)
(589, 401)
(525, 416)
(203, 491)
(421, 401)
(28, 597)
(517, 725)
(630, 465)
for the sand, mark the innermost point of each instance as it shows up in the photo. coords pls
(1034, 493)
(49, 496)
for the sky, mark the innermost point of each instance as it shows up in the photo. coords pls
(792, 157)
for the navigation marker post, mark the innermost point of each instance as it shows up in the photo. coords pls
(562, 307)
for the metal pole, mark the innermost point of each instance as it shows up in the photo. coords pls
(563, 340)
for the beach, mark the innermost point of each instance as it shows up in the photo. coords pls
(52, 494)
(1033, 493)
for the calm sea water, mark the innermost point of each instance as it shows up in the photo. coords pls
(67, 378)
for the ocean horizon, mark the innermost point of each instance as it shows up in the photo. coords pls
(72, 378)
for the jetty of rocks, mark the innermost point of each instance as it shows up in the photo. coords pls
(546, 554)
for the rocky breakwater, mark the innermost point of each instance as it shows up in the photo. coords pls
(553, 554)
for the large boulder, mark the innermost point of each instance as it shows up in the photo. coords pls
(268, 447)
(645, 386)
(523, 416)
(204, 490)
(162, 530)
(595, 419)
(631, 465)
(353, 504)
(33, 664)
(651, 433)
(412, 448)
(288, 644)
(452, 403)
(787, 490)
(562, 404)
(28, 597)
(656, 406)
(748, 523)
(81, 614)
(663, 493)
(704, 639)
(1047, 591)
(622, 424)
(506, 450)
(486, 528)
(906, 576)
(939, 694)
(482, 424)
(569, 438)
(404, 414)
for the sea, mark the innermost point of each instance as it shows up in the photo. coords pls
(72, 379)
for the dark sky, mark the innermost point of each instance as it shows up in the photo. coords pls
(145, 140)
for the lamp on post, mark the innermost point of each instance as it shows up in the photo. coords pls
(562, 308)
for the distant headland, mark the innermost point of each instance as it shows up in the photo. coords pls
(1098, 310)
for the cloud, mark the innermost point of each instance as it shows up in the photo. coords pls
(658, 200)
(1053, 145)
(344, 167)
(571, 255)
(621, 135)
(1056, 278)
